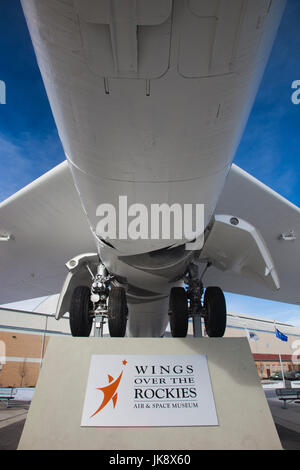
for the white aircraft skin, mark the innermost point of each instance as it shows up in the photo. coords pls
(155, 115)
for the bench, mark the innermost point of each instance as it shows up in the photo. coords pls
(288, 395)
(7, 394)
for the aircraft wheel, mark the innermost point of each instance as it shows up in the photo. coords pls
(215, 312)
(117, 312)
(80, 322)
(178, 312)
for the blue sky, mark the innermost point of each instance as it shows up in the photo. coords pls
(269, 150)
(29, 143)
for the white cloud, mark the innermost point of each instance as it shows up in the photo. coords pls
(26, 159)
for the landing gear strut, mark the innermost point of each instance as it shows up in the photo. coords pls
(185, 304)
(102, 303)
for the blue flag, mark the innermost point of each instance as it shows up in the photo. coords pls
(281, 335)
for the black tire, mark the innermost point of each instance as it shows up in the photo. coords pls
(117, 312)
(80, 322)
(215, 312)
(178, 312)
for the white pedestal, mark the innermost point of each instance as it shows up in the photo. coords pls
(54, 418)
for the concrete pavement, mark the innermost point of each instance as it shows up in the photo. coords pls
(289, 417)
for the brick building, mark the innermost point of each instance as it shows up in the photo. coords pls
(264, 344)
(23, 341)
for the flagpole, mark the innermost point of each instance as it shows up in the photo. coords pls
(281, 366)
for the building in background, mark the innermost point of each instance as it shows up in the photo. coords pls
(266, 348)
(23, 341)
(24, 337)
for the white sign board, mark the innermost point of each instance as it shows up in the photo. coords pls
(149, 390)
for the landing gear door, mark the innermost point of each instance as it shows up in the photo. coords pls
(78, 275)
(234, 244)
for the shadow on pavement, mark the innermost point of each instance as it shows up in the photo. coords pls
(290, 440)
(10, 435)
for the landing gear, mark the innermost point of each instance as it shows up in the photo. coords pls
(117, 312)
(102, 303)
(81, 320)
(188, 303)
(214, 312)
(178, 312)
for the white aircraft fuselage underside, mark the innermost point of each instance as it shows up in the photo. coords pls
(150, 99)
